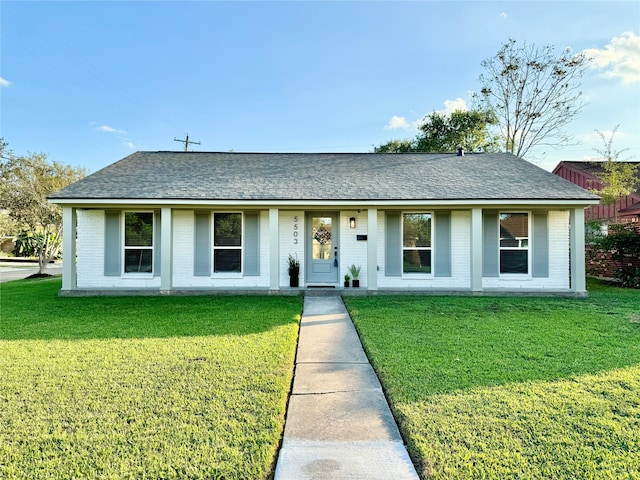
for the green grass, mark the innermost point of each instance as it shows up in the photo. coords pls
(142, 387)
(511, 387)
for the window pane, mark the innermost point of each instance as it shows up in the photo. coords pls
(138, 260)
(226, 260)
(138, 229)
(321, 241)
(514, 230)
(416, 230)
(416, 261)
(514, 261)
(227, 229)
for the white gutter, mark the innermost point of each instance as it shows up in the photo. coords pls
(363, 204)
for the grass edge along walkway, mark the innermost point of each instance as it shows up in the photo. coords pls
(508, 387)
(179, 387)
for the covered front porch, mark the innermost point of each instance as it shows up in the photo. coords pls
(359, 236)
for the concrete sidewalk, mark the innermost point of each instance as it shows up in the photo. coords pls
(338, 424)
(18, 270)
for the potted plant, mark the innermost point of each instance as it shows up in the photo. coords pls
(294, 271)
(355, 272)
(347, 277)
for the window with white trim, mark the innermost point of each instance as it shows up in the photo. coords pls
(514, 242)
(416, 243)
(227, 242)
(138, 242)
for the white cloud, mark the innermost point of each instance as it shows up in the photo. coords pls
(108, 129)
(451, 106)
(398, 122)
(503, 15)
(120, 134)
(594, 137)
(620, 58)
(4, 82)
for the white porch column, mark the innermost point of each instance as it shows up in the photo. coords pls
(274, 249)
(576, 242)
(476, 250)
(166, 249)
(372, 249)
(69, 230)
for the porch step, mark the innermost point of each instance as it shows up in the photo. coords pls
(320, 291)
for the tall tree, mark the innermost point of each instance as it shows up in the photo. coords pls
(397, 146)
(534, 93)
(618, 178)
(442, 132)
(25, 184)
(3, 147)
(468, 129)
(7, 225)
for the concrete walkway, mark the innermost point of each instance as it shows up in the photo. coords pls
(338, 424)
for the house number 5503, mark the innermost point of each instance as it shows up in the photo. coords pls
(295, 230)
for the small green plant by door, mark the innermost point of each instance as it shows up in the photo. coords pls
(355, 273)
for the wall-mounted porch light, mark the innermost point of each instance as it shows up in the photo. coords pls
(352, 222)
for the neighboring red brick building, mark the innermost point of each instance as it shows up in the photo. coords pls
(583, 174)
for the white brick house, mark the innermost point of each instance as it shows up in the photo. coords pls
(168, 222)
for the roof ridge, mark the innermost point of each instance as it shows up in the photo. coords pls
(319, 153)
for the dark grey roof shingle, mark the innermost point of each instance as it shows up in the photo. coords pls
(322, 176)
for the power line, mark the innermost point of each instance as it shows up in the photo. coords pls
(99, 74)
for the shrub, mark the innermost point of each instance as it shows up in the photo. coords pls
(28, 244)
(629, 277)
(623, 242)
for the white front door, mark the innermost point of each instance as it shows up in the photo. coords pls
(322, 248)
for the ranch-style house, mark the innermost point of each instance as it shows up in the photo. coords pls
(188, 222)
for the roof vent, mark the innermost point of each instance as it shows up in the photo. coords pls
(461, 152)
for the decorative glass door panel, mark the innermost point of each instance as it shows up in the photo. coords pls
(321, 228)
(322, 248)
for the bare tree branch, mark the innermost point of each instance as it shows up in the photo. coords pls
(534, 94)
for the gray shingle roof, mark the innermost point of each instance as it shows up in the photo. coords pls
(322, 176)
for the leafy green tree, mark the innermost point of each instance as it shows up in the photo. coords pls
(442, 132)
(25, 184)
(534, 94)
(3, 148)
(618, 178)
(623, 241)
(397, 146)
(8, 227)
(469, 129)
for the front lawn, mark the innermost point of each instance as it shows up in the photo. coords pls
(511, 387)
(142, 387)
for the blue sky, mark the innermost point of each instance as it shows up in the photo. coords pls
(91, 82)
